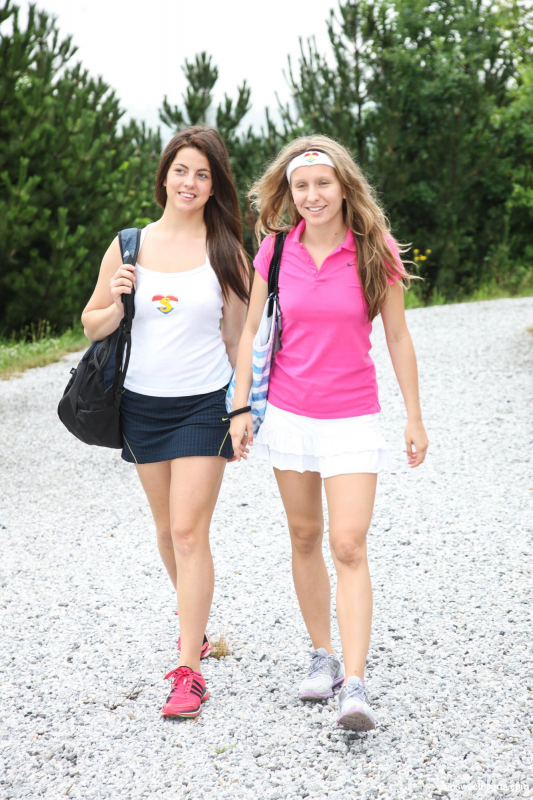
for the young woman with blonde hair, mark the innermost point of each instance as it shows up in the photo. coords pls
(340, 267)
(192, 272)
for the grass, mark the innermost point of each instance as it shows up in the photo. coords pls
(36, 346)
(493, 290)
(220, 648)
(219, 750)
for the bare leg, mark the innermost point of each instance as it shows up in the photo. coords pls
(194, 490)
(155, 479)
(350, 505)
(301, 494)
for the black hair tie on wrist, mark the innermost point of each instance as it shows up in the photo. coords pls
(239, 411)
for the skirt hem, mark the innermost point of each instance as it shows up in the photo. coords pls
(369, 461)
(329, 447)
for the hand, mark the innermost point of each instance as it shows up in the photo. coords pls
(242, 434)
(121, 283)
(416, 437)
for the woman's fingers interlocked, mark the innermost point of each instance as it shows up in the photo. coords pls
(242, 434)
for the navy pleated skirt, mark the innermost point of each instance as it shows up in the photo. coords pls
(162, 428)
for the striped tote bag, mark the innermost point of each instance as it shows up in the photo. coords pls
(267, 342)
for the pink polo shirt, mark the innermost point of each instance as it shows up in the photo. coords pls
(324, 369)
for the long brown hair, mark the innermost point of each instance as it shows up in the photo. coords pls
(221, 213)
(271, 197)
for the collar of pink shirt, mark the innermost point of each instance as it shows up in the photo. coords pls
(296, 233)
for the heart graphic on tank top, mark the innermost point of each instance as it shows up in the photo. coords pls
(166, 302)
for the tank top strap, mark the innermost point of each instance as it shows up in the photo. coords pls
(143, 234)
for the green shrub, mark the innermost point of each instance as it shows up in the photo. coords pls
(69, 178)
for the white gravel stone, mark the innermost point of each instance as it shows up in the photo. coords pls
(87, 629)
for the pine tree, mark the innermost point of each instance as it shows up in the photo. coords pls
(514, 129)
(201, 76)
(247, 149)
(415, 92)
(69, 178)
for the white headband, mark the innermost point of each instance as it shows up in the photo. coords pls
(308, 159)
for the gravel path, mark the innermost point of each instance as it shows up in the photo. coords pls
(87, 629)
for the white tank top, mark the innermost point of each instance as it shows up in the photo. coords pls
(176, 341)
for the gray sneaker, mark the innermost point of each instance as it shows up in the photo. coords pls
(325, 672)
(354, 712)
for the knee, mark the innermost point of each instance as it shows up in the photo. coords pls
(164, 536)
(184, 538)
(305, 536)
(348, 548)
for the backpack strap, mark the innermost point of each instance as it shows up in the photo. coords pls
(273, 271)
(130, 241)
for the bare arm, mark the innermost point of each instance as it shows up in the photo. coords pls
(102, 314)
(403, 359)
(243, 423)
(233, 318)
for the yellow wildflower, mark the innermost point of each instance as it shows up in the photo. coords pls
(422, 258)
(428, 251)
(416, 251)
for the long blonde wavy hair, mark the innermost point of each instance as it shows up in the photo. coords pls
(271, 198)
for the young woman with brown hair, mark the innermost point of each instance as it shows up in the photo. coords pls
(192, 272)
(340, 267)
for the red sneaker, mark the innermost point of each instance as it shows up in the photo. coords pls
(188, 692)
(206, 647)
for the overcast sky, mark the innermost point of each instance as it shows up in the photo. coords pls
(139, 46)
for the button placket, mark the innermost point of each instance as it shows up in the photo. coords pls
(309, 260)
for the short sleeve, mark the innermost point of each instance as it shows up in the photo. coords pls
(392, 244)
(264, 257)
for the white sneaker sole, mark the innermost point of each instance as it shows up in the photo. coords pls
(358, 718)
(311, 694)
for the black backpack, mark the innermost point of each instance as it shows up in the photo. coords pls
(90, 406)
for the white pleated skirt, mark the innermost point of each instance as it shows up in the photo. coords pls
(328, 446)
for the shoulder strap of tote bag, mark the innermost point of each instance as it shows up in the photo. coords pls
(273, 271)
(129, 240)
